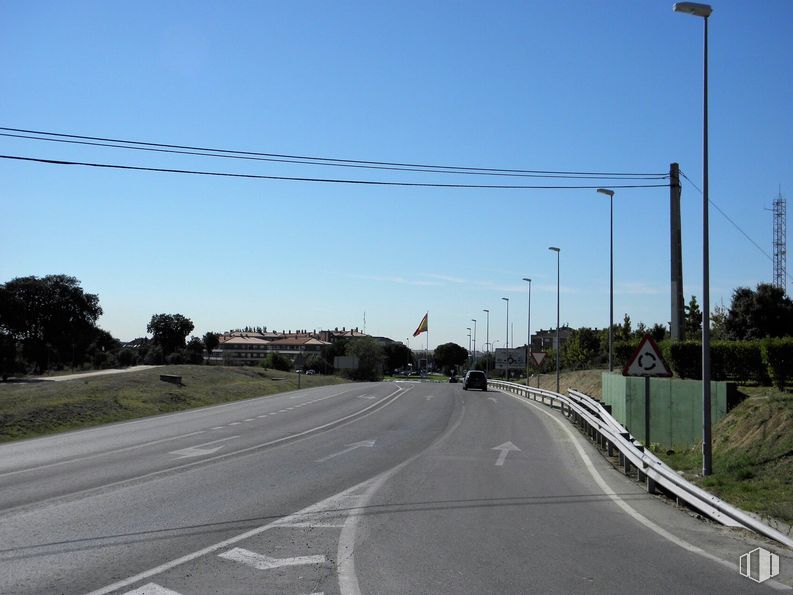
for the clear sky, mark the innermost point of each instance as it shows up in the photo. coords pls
(612, 86)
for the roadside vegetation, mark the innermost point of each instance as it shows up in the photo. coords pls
(752, 456)
(29, 409)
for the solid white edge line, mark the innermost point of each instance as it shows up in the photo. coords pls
(636, 515)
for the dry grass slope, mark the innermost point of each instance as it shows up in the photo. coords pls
(34, 409)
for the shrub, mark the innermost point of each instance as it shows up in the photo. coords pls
(779, 357)
(127, 357)
(276, 361)
(154, 356)
(175, 358)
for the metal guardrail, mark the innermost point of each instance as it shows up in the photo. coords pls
(596, 422)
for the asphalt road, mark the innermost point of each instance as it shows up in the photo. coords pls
(366, 488)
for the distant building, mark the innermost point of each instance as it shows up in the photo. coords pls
(543, 340)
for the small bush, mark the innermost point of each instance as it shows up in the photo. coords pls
(779, 357)
(127, 357)
(175, 358)
(154, 356)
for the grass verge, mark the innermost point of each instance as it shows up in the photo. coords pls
(752, 456)
(34, 409)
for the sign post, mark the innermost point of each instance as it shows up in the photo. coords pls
(647, 362)
(538, 357)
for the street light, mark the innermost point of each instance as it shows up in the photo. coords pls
(487, 343)
(704, 11)
(610, 194)
(474, 359)
(468, 328)
(558, 346)
(528, 332)
(507, 337)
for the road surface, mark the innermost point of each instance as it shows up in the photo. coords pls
(364, 488)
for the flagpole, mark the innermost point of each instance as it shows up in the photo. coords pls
(427, 352)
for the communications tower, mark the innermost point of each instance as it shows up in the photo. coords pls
(780, 243)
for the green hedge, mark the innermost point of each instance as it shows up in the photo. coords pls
(739, 361)
(778, 354)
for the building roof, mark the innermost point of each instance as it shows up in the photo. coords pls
(298, 341)
(243, 340)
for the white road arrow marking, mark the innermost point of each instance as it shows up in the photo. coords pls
(365, 443)
(262, 562)
(504, 448)
(492, 399)
(198, 451)
(366, 397)
(152, 589)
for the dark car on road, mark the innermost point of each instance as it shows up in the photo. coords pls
(475, 379)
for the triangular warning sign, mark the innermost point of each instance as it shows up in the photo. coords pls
(538, 356)
(646, 360)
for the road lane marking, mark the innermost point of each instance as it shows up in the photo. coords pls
(505, 449)
(492, 399)
(429, 397)
(235, 423)
(262, 562)
(250, 419)
(102, 454)
(363, 444)
(152, 589)
(198, 451)
(217, 428)
(296, 517)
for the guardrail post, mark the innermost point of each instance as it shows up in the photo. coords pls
(651, 488)
(610, 448)
(627, 465)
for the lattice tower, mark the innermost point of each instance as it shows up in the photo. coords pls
(780, 244)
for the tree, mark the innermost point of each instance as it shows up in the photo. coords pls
(766, 312)
(581, 348)
(52, 318)
(276, 361)
(692, 318)
(211, 341)
(169, 331)
(397, 356)
(370, 359)
(194, 351)
(450, 355)
(658, 332)
(626, 329)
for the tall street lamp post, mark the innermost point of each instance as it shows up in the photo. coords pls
(473, 362)
(558, 346)
(487, 342)
(506, 339)
(468, 328)
(610, 194)
(704, 11)
(528, 332)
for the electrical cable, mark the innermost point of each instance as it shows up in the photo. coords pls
(322, 180)
(303, 162)
(335, 161)
(756, 245)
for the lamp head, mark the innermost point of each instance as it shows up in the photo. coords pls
(694, 8)
(606, 191)
(554, 248)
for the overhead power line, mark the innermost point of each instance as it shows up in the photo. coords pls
(320, 180)
(734, 224)
(313, 160)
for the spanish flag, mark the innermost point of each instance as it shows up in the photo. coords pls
(423, 326)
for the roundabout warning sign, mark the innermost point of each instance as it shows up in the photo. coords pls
(647, 361)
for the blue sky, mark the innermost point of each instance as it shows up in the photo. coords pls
(576, 86)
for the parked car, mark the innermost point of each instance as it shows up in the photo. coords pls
(310, 372)
(475, 379)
